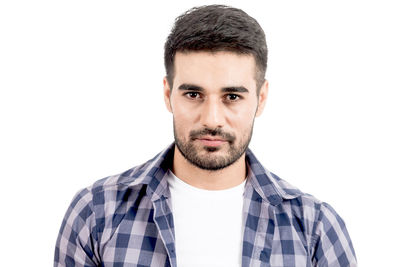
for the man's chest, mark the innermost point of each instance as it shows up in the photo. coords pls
(208, 232)
(145, 243)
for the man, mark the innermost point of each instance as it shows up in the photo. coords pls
(205, 200)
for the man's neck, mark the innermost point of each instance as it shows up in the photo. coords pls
(225, 178)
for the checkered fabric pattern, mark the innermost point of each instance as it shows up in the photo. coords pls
(126, 220)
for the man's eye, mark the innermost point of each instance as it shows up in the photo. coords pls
(232, 97)
(192, 95)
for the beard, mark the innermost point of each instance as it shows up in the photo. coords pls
(206, 157)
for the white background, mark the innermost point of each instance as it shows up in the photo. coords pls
(81, 99)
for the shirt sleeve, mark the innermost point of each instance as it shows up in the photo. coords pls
(77, 240)
(332, 246)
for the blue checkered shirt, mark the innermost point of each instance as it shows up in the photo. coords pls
(126, 220)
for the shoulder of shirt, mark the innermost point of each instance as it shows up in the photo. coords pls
(294, 197)
(133, 180)
(306, 206)
(316, 218)
(290, 198)
(287, 191)
(274, 188)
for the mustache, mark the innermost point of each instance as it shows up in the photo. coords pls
(213, 132)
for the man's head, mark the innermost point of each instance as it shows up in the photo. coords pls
(217, 28)
(214, 60)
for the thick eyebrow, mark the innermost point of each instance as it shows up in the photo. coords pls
(190, 87)
(231, 89)
(235, 89)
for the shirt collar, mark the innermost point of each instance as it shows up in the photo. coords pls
(153, 173)
(269, 186)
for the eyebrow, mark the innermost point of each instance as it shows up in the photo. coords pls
(230, 89)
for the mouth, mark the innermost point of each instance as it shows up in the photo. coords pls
(211, 141)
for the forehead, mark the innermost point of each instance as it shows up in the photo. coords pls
(215, 69)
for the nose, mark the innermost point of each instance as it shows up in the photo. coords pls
(212, 115)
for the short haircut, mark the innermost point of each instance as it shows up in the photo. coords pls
(215, 28)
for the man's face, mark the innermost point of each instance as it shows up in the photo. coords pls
(214, 103)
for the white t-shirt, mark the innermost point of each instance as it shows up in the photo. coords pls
(208, 224)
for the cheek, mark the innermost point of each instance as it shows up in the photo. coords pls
(243, 119)
(184, 114)
(182, 122)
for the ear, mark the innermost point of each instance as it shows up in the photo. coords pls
(262, 98)
(167, 94)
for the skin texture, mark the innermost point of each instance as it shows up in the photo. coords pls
(213, 97)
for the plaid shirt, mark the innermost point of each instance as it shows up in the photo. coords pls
(126, 220)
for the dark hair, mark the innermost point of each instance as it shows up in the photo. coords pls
(216, 28)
